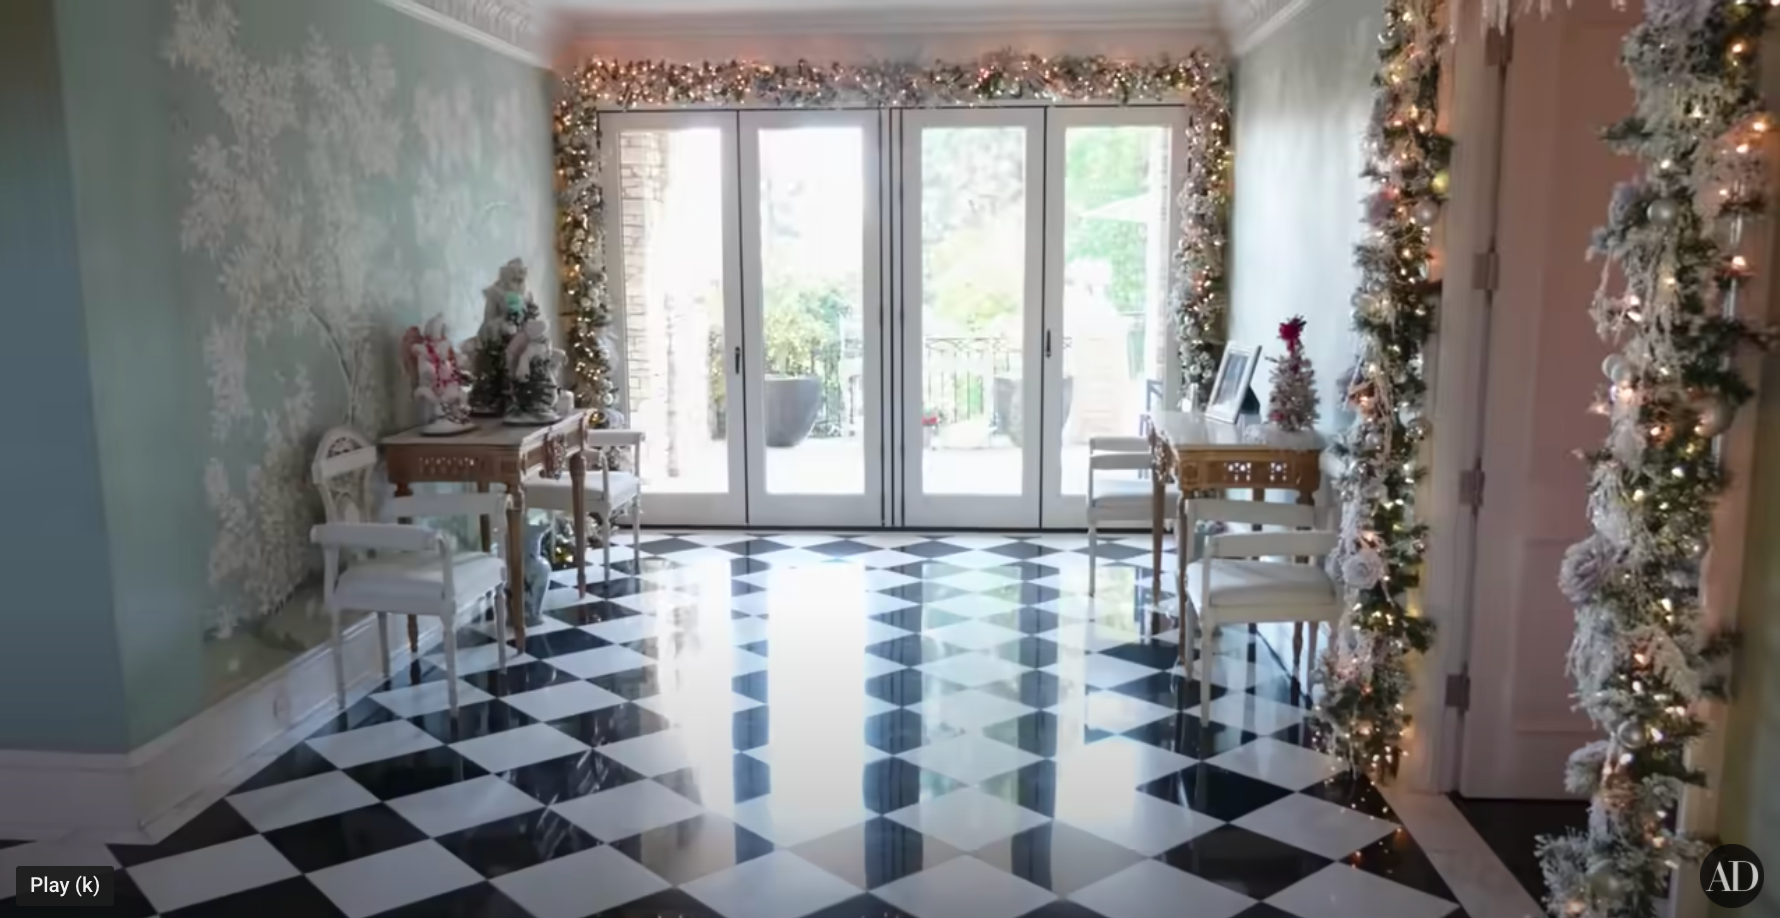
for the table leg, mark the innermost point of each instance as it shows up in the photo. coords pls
(403, 489)
(1158, 493)
(516, 563)
(578, 503)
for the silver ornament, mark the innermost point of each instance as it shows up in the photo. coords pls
(1713, 417)
(1418, 428)
(1663, 211)
(1426, 212)
(1616, 369)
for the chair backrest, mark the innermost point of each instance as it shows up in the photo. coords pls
(342, 473)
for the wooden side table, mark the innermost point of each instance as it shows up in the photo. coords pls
(497, 453)
(1199, 454)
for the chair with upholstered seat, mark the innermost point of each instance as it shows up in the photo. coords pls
(1117, 499)
(1254, 577)
(399, 568)
(607, 494)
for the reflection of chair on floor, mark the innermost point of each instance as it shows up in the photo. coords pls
(399, 568)
(1241, 579)
(1116, 500)
(607, 494)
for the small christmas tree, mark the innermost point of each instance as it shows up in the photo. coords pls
(1292, 405)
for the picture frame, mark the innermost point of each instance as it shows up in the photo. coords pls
(1235, 371)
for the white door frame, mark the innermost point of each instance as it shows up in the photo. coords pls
(726, 508)
(1020, 511)
(864, 509)
(1061, 510)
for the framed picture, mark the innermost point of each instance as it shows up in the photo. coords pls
(1231, 384)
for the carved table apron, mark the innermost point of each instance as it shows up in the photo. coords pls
(497, 453)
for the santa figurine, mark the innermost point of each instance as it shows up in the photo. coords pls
(438, 378)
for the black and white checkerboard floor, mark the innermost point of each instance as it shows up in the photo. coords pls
(778, 726)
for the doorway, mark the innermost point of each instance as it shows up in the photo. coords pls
(869, 318)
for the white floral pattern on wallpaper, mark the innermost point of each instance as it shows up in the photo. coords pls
(319, 272)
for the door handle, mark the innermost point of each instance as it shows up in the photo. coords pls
(1047, 344)
(738, 361)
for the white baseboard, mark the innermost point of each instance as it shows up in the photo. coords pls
(128, 798)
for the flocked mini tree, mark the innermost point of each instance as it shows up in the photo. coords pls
(1292, 403)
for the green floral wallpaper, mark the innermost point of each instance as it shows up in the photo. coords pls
(269, 193)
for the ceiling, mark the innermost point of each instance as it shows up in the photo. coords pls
(629, 8)
(1241, 23)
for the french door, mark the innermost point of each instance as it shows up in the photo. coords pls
(867, 318)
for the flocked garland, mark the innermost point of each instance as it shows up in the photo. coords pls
(1365, 675)
(1641, 658)
(1199, 81)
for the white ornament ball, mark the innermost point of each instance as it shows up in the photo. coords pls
(1426, 213)
(1362, 570)
(1616, 369)
(1663, 211)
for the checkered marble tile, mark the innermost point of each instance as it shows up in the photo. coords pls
(805, 725)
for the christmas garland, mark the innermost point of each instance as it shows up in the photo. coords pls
(1641, 658)
(1199, 82)
(1365, 674)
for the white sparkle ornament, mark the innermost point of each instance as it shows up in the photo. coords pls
(1362, 570)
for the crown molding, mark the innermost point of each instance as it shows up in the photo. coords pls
(507, 26)
(571, 24)
(1247, 23)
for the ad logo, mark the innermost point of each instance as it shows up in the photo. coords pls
(1731, 876)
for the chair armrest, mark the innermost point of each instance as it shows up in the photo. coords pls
(1253, 512)
(376, 536)
(423, 506)
(1119, 445)
(601, 438)
(1270, 544)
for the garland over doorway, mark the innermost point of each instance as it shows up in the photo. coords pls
(1199, 82)
(1642, 660)
(1365, 673)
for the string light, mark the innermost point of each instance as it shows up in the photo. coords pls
(1641, 657)
(1365, 674)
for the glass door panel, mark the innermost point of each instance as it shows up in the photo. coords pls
(971, 340)
(1112, 226)
(810, 186)
(672, 268)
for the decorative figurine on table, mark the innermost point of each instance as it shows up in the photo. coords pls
(432, 365)
(503, 309)
(532, 367)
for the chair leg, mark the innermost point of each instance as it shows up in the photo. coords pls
(1297, 645)
(450, 628)
(339, 659)
(636, 525)
(383, 641)
(500, 632)
(1208, 652)
(1310, 661)
(1093, 566)
(606, 544)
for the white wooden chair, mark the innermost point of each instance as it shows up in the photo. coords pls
(1117, 500)
(609, 493)
(415, 570)
(1254, 577)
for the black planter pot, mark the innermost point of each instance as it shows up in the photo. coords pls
(792, 403)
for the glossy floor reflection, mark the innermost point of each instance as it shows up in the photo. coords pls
(779, 726)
